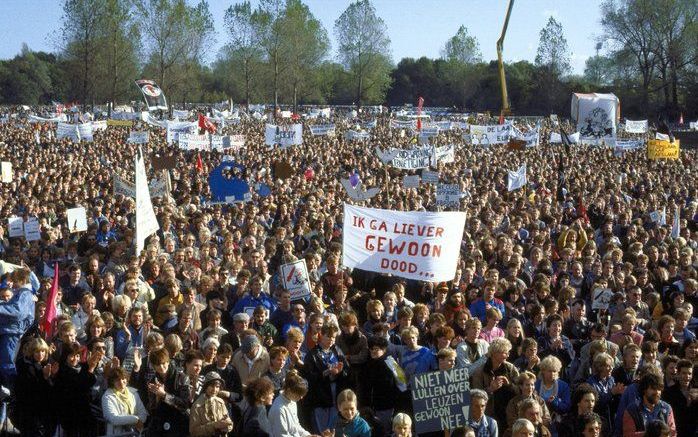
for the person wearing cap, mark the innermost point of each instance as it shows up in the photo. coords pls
(241, 322)
(209, 414)
(252, 359)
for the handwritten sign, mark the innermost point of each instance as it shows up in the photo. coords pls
(412, 245)
(430, 177)
(77, 219)
(448, 195)
(440, 400)
(295, 279)
(15, 226)
(32, 229)
(410, 181)
(660, 149)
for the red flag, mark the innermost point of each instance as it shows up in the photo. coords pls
(420, 103)
(501, 118)
(681, 119)
(50, 316)
(199, 163)
(206, 124)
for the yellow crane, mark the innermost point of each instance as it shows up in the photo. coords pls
(506, 108)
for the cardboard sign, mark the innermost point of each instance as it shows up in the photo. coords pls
(410, 181)
(295, 279)
(440, 400)
(430, 177)
(448, 195)
(412, 245)
(6, 167)
(660, 149)
(601, 298)
(77, 219)
(32, 229)
(15, 226)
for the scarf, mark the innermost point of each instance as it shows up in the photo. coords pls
(126, 399)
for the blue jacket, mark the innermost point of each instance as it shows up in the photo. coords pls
(357, 427)
(486, 428)
(248, 301)
(479, 308)
(18, 314)
(121, 342)
(562, 402)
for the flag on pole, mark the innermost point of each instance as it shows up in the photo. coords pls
(199, 163)
(681, 119)
(206, 124)
(146, 222)
(51, 310)
(420, 104)
(501, 118)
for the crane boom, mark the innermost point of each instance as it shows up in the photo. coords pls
(506, 108)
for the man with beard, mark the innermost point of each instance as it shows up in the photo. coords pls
(651, 407)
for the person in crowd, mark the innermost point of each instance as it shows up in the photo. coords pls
(527, 390)
(552, 389)
(169, 397)
(637, 416)
(209, 414)
(251, 361)
(32, 388)
(683, 399)
(402, 425)
(482, 424)
(498, 378)
(553, 343)
(608, 390)
(283, 414)
(259, 394)
(379, 378)
(626, 373)
(472, 351)
(349, 423)
(122, 406)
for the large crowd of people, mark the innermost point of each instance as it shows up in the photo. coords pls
(196, 335)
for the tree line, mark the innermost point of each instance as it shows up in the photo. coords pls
(278, 52)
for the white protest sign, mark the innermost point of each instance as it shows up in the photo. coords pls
(139, 137)
(65, 130)
(77, 219)
(295, 279)
(357, 192)
(180, 113)
(443, 154)
(15, 226)
(146, 222)
(124, 187)
(158, 188)
(352, 135)
(412, 159)
(448, 195)
(322, 130)
(531, 137)
(491, 134)
(444, 125)
(412, 245)
(555, 138)
(636, 126)
(175, 128)
(429, 132)
(193, 141)
(623, 146)
(693, 125)
(403, 124)
(32, 229)
(99, 125)
(284, 136)
(410, 181)
(85, 131)
(386, 156)
(6, 168)
(602, 298)
(516, 179)
(430, 177)
(662, 137)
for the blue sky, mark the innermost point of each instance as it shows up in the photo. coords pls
(415, 27)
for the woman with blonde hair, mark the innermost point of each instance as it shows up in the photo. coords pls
(554, 391)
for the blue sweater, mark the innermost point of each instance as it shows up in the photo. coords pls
(357, 427)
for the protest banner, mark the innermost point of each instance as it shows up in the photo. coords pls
(555, 138)
(180, 114)
(430, 177)
(386, 156)
(32, 229)
(6, 168)
(123, 187)
(444, 125)
(175, 128)
(530, 138)
(369, 125)
(15, 226)
(411, 245)
(194, 141)
(595, 115)
(440, 400)
(158, 188)
(37, 119)
(693, 125)
(601, 298)
(403, 124)
(660, 149)
(77, 219)
(284, 136)
(412, 159)
(85, 131)
(636, 126)
(443, 155)
(139, 137)
(99, 125)
(65, 130)
(410, 181)
(146, 222)
(490, 134)
(152, 94)
(119, 123)
(623, 146)
(353, 135)
(429, 132)
(516, 179)
(295, 279)
(448, 195)
(318, 130)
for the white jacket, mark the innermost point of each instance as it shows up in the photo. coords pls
(283, 416)
(118, 422)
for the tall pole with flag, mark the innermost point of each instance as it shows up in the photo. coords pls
(420, 104)
(51, 310)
